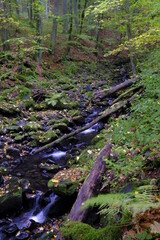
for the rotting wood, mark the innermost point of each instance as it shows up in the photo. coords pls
(90, 187)
(114, 108)
(128, 93)
(109, 92)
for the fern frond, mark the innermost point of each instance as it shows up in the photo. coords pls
(137, 202)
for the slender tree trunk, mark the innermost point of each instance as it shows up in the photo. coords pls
(17, 8)
(76, 20)
(54, 27)
(39, 32)
(4, 30)
(129, 34)
(97, 33)
(70, 20)
(89, 24)
(83, 15)
(65, 12)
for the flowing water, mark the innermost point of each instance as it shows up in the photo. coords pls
(30, 169)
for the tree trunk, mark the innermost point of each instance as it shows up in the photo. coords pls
(116, 107)
(65, 11)
(99, 95)
(4, 30)
(54, 27)
(90, 187)
(39, 33)
(83, 15)
(70, 21)
(76, 20)
(128, 30)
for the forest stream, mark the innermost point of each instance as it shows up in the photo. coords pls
(38, 202)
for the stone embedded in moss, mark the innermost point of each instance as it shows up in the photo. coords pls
(47, 137)
(67, 182)
(8, 109)
(19, 138)
(78, 119)
(61, 126)
(32, 126)
(49, 167)
(10, 196)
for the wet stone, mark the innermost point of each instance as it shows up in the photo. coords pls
(22, 236)
(13, 152)
(10, 230)
(10, 196)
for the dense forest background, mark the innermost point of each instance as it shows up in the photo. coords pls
(65, 64)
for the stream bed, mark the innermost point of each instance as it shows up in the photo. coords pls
(40, 202)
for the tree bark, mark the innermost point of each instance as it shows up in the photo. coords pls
(54, 27)
(65, 11)
(83, 15)
(128, 29)
(4, 32)
(76, 20)
(107, 93)
(90, 187)
(103, 115)
(39, 32)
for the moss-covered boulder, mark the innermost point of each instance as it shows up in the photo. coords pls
(32, 126)
(67, 182)
(78, 119)
(10, 196)
(82, 231)
(48, 136)
(49, 167)
(61, 126)
(8, 109)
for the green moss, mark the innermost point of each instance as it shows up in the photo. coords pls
(61, 126)
(32, 126)
(82, 231)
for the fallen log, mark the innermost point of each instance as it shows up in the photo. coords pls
(114, 108)
(98, 96)
(90, 187)
(128, 93)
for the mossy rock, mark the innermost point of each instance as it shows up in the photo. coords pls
(61, 126)
(49, 167)
(8, 109)
(19, 138)
(10, 196)
(48, 137)
(14, 128)
(78, 119)
(67, 182)
(32, 126)
(82, 231)
(64, 189)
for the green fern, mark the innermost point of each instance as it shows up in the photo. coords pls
(112, 204)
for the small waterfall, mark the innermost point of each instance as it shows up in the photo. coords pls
(56, 154)
(41, 216)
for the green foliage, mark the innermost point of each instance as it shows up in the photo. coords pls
(135, 202)
(70, 68)
(82, 231)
